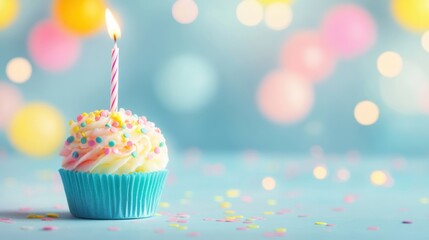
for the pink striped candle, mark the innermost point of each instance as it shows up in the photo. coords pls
(115, 33)
(114, 79)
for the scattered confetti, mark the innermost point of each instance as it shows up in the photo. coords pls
(225, 204)
(233, 193)
(6, 220)
(27, 228)
(321, 223)
(49, 228)
(407, 222)
(113, 229)
(372, 228)
(52, 215)
(164, 204)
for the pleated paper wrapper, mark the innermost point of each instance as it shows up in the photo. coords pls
(111, 196)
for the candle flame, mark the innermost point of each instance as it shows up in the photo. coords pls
(112, 26)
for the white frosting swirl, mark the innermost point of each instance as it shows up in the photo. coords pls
(114, 143)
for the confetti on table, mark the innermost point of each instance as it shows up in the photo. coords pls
(407, 222)
(113, 228)
(27, 228)
(164, 204)
(372, 228)
(321, 223)
(233, 193)
(49, 228)
(52, 215)
(6, 220)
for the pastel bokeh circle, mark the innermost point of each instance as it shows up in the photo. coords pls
(284, 97)
(52, 48)
(307, 54)
(10, 102)
(185, 11)
(37, 130)
(411, 14)
(80, 17)
(349, 30)
(186, 83)
(8, 12)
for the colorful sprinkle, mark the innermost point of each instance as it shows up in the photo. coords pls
(111, 143)
(134, 154)
(161, 144)
(83, 124)
(143, 130)
(75, 154)
(107, 151)
(91, 143)
(108, 125)
(129, 143)
(98, 140)
(157, 150)
(70, 139)
(83, 140)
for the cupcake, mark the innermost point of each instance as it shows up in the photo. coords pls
(114, 166)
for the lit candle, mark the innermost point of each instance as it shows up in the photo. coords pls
(115, 34)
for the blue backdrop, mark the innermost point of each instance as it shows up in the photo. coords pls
(230, 59)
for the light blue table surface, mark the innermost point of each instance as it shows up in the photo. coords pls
(296, 203)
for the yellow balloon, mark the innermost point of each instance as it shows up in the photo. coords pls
(8, 12)
(411, 14)
(268, 2)
(81, 17)
(38, 129)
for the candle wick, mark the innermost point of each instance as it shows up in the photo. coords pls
(114, 37)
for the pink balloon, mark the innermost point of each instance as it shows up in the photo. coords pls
(349, 30)
(285, 97)
(10, 102)
(52, 48)
(307, 54)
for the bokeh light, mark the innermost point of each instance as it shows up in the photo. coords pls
(250, 12)
(269, 2)
(18, 70)
(183, 75)
(407, 93)
(320, 172)
(278, 16)
(425, 41)
(349, 30)
(389, 64)
(37, 130)
(411, 14)
(307, 54)
(268, 183)
(366, 113)
(10, 102)
(184, 11)
(80, 17)
(52, 48)
(378, 178)
(343, 174)
(284, 97)
(8, 12)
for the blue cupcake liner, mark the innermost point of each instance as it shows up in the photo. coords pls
(112, 196)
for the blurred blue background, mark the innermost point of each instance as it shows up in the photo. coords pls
(199, 81)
